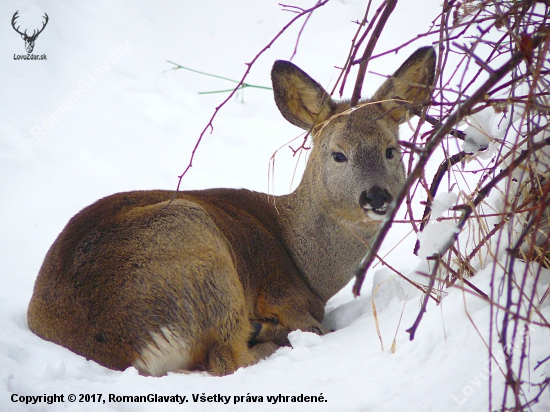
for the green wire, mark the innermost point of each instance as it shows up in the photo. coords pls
(244, 85)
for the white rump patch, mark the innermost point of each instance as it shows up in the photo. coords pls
(167, 352)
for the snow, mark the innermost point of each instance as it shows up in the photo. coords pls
(478, 134)
(442, 202)
(436, 234)
(104, 113)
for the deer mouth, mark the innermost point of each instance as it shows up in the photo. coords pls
(375, 202)
(378, 213)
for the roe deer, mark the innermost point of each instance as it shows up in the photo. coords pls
(216, 279)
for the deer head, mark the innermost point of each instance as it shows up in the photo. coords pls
(29, 40)
(356, 168)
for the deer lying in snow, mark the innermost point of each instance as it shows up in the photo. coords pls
(216, 279)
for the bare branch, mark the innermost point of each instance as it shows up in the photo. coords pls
(388, 9)
(209, 125)
(431, 146)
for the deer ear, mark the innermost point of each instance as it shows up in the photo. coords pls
(300, 99)
(411, 82)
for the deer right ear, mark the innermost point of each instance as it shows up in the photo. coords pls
(300, 99)
(410, 83)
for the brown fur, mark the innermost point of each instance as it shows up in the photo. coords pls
(216, 279)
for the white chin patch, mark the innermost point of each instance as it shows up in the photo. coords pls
(375, 216)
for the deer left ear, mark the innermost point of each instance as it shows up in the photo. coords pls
(300, 99)
(411, 83)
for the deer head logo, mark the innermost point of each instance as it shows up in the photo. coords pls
(29, 40)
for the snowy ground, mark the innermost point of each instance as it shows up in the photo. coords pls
(125, 124)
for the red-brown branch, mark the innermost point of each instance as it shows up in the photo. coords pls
(209, 125)
(390, 6)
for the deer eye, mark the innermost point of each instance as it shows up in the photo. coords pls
(339, 157)
(390, 153)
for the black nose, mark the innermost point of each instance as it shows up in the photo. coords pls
(375, 198)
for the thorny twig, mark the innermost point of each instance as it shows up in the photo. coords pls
(301, 29)
(249, 65)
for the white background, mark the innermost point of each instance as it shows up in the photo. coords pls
(133, 127)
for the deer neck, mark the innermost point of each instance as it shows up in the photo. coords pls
(325, 249)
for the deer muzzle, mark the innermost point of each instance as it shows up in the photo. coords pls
(375, 202)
